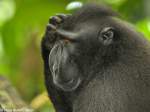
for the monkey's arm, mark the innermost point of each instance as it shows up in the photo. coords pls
(57, 97)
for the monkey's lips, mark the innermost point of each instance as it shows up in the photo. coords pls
(68, 86)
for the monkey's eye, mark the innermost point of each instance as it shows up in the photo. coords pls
(106, 35)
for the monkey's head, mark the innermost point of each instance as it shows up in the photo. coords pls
(86, 42)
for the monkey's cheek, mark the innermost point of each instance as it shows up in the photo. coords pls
(68, 86)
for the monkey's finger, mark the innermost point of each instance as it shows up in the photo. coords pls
(55, 20)
(51, 33)
(51, 27)
(63, 16)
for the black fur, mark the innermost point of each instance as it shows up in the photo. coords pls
(115, 76)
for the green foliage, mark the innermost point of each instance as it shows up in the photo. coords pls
(22, 24)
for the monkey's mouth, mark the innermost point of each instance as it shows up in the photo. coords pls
(68, 86)
(64, 73)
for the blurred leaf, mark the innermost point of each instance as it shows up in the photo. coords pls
(144, 27)
(7, 9)
(115, 2)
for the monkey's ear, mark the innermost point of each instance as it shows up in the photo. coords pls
(106, 35)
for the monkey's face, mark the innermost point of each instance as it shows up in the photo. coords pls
(76, 52)
(65, 71)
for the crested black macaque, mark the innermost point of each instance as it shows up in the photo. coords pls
(95, 62)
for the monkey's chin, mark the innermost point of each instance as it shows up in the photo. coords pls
(69, 86)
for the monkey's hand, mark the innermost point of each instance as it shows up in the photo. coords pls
(50, 35)
(53, 24)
